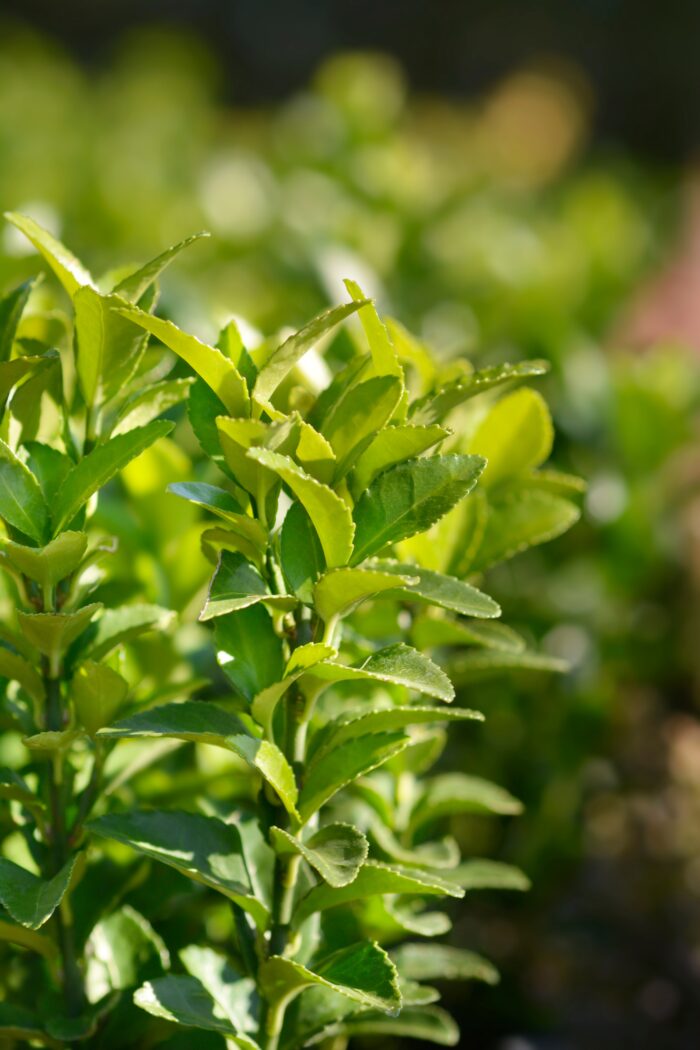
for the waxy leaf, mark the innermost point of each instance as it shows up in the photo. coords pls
(69, 270)
(438, 404)
(52, 633)
(335, 771)
(384, 356)
(445, 591)
(120, 625)
(17, 669)
(409, 498)
(237, 584)
(235, 994)
(121, 950)
(22, 503)
(329, 514)
(340, 590)
(133, 286)
(270, 762)
(96, 469)
(337, 732)
(151, 403)
(515, 436)
(396, 665)
(336, 852)
(303, 658)
(30, 900)
(11, 309)
(391, 446)
(442, 962)
(301, 554)
(108, 346)
(217, 371)
(185, 1001)
(50, 564)
(253, 656)
(428, 1023)
(363, 972)
(203, 848)
(375, 880)
(451, 793)
(196, 721)
(281, 362)
(357, 416)
(519, 518)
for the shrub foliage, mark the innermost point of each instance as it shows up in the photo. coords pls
(352, 505)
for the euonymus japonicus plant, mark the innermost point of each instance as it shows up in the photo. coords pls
(339, 492)
(80, 395)
(348, 514)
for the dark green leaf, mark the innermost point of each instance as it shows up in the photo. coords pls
(22, 504)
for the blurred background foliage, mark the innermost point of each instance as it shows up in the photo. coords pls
(495, 230)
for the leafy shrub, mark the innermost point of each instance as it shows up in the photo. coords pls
(340, 532)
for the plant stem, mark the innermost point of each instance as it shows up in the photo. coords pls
(73, 991)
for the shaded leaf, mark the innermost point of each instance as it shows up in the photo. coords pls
(271, 763)
(22, 504)
(237, 584)
(253, 655)
(196, 721)
(447, 592)
(185, 1001)
(30, 900)
(334, 771)
(336, 852)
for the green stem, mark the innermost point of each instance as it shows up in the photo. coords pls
(73, 990)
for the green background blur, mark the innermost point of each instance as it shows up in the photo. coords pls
(490, 200)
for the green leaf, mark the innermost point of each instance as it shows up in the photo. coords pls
(329, 513)
(151, 403)
(11, 309)
(428, 632)
(357, 416)
(203, 409)
(303, 658)
(133, 286)
(335, 771)
(196, 721)
(108, 346)
(480, 663)
(442, 962)
(519, 518)
(17, 669)
(121, 625)
(341, 590)
(50, 564)
(479, 874)
(30, 900)
(336, 852)
(281, 362)
(218, 501)
(22, 504)
(14, 788)
(431, 1024)
(97, 692)
(359, 722)
(121, 951)
(217, 371)
(391, 446)
(35, 942)
(363, 972)
(69, 270)
(203, 848)
(384, 356)
(17, 1022)
(96, 469)
(253, 656)
(236, 585)
(515, 436)
(270, 762)
(301, 554)
(50, 467)
(375, 879)
(450, 793)
(447, 592)
(409, 498)
(396, 665)
(11, 372)
(185, 1001)
(52, 633)
(235, 994)
(438, 404)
